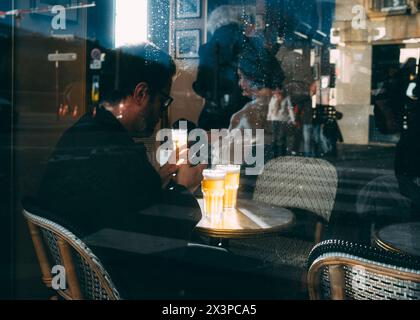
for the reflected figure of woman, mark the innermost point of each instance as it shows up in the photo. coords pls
(217, 79)
(259, 75)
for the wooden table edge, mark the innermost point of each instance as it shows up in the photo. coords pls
(383, 245)
(240, 234)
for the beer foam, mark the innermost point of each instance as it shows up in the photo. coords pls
(214, 174)
(229, 168)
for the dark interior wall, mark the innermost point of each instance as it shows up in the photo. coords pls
(36, 94)
(38, 129)
(6, 111)
(35, 76)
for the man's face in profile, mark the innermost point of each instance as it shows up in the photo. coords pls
(154, 109)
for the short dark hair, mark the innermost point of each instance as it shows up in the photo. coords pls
(129, 65)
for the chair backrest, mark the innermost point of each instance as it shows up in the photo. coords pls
(342, 270)
(297, 182)
(86, 278)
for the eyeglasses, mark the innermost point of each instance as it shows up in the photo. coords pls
(167, 101)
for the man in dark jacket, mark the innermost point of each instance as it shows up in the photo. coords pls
(97, 172)
(101, 186)
(98, 179)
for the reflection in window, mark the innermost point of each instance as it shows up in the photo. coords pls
(131, 22)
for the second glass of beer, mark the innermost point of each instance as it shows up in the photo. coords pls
(213, 187)
(233, 173)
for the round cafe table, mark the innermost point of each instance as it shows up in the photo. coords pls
(250, 219)
(403, 238)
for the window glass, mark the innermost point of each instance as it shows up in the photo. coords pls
(201, 139)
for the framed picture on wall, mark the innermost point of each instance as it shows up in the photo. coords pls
(187, 9)
(71, 14)
(187, 43)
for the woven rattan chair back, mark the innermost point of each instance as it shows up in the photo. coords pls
(297, 182)
(86, 278)
(341, 270)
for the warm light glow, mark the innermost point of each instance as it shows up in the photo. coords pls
(406, 53)
(179, 138)
(131, 22)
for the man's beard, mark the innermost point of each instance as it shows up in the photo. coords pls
(145, 127)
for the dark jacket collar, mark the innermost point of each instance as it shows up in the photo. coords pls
(105, 118)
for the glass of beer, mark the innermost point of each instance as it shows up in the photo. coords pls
(180, 143)
(233, 173)
(213, 187)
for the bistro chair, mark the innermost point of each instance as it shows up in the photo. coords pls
(341, 270)
(86, 278)
(307, 185)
